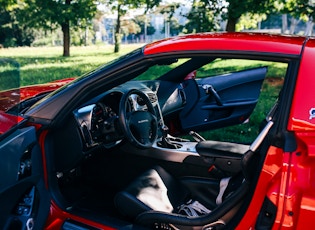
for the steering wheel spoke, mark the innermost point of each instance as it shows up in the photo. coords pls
(139, 125)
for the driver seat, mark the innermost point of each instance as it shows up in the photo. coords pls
(156, 199)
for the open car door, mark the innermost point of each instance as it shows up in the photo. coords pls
(222, 100)
(24, 200)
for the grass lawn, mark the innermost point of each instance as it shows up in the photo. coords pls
(43, 64)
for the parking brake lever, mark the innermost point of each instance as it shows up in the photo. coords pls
(196, 136)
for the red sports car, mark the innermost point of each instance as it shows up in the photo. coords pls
(203, 131)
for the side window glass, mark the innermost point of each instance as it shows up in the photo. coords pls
(159, 69)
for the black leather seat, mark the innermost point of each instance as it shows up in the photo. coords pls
(155, 196)
(155, 190)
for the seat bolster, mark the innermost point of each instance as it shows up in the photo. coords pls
(129, 205)
(148, 218)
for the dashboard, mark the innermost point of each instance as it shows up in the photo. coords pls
(98, 120)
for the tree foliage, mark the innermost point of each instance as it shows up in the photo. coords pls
(203, 16)
(304, 9)
(121, 7)
(236, 8)
(145, 26)
(12, 31)
(171, 24)
(296, 11)
(51, 14)
(8, 4)
(249, 21)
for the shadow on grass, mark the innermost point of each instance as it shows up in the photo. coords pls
(36, 70)
(27, 60)
(42, 75)
(9, 74)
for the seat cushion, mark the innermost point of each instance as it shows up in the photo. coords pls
(153, 190)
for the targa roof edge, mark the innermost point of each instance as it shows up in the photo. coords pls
(237, 41)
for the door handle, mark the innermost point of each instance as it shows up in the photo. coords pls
(210, 90)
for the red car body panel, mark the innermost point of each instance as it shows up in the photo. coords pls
(229, 42)
(12, 97)
(287, 178)
(7, 121)
(299, 193)
(303, 104)
(268, 183)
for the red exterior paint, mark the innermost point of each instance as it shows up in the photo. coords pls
(41, 141)
(11, 97)
(304, 100)
(300, 190)
(7, 121)
(268, 183)
(287, 179)
(229, 42)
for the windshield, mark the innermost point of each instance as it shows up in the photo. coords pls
(9, 92)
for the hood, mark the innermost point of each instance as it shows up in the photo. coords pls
(11, 94)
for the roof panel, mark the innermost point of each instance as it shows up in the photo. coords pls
(238, 41)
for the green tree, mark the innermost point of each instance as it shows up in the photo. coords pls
(8, 4)
(174, 27)
(146, 27)
(12, 32)
(236, 8)
(250, 21)
(171, 25)
(51, 14)
(203, 16)
(121, 7)
(298, 10)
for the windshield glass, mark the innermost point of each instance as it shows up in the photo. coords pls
(9, 92)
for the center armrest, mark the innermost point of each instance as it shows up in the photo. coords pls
(221, 149)
(225, 156)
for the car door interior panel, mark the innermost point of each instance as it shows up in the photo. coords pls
(222, 100)
(22, 189)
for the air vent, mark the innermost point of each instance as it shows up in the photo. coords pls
(152, 97)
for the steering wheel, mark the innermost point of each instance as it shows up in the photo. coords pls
(138, 125)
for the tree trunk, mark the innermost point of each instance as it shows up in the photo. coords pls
(309, 27)
(284, 28)
(65, 27)
(231, 24)
(294, 22)
(66, 39)
(66, 34)
(117, 30)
